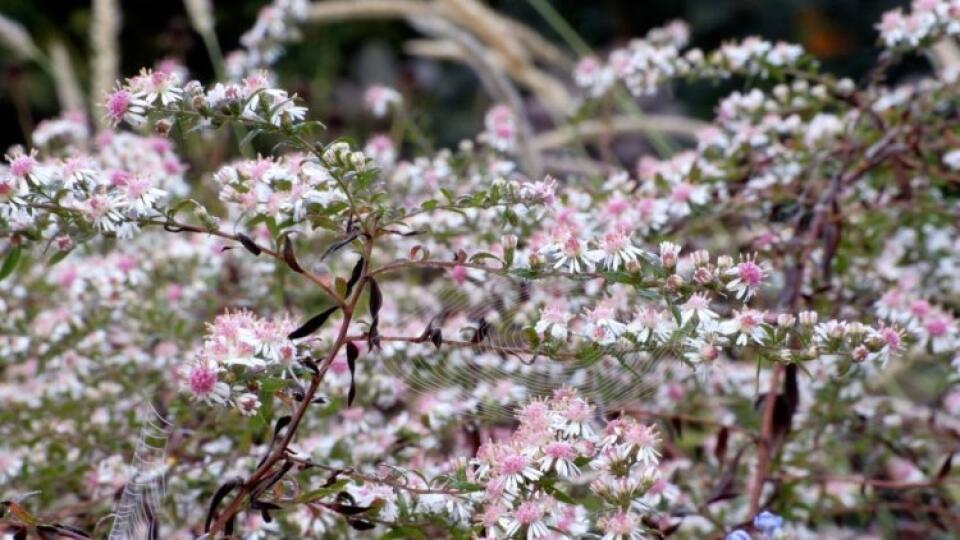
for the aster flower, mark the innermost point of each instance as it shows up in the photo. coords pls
(574, 417)
(201, 381)
(748, 326)
(650, 324)
(379, 99)
(602, 326)
(103, 210)
(616, 250)
(568, 250)
(698, 305)
(643, 440)
(152, 85)
(248, 404)
(553, 322)
(747, 277)
(121, 105)
(140, 194)
(889, 339)
(560, 456)
(25, 166)
(517, 469)
(621, 525)
(940, 329)
(501, 128)
(529, 515)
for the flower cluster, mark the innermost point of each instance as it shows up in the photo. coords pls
(162, 95)
(927, 21)
(277, 25)
(500, 339)
(555, 445)
(646, 64)
(122, 180)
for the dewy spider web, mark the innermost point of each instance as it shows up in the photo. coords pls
(508, 305)
(136, 516)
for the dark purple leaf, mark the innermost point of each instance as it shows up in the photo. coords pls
(290, 257)
(339, 244)
(355, 276)
(945, 468)
(346, 509)
(313, 324)
(222, 492)
(360, 525)
(720, 449)
(376, 298)
(248, 243)
(352, 353)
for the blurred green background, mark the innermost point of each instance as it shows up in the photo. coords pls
(334, 62)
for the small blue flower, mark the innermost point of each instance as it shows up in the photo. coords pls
(768, 523)
(738, 534)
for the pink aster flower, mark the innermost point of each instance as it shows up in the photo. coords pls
(748, 276)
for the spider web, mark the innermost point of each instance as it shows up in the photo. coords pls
(135, 517)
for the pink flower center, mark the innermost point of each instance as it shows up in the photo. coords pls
(528, 513)
(202, 380)
(750, 273)
(560, 450)
(620, 523)
(22, 165)
(118, 103)
(936, 327)
(513, 464)
(891, 337)
(681, 192)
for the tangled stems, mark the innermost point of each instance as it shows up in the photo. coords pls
(316, 378)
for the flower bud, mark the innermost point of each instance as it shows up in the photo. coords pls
(786, 320)
(860, 353)
(700, 257)
(808, 318)
(63, 242)
(708, 352)
(724, 262)
(669, 252)
(856, 329)
(162, 126)
(673, 282)
(358, 161)
(703, 275)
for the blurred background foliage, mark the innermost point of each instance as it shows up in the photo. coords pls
(334, 62)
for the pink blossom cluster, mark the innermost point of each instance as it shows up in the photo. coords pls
(161, 95)
(108, 183)
(555, 448)
(926, 21)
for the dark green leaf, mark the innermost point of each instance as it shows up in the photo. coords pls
(10, 262)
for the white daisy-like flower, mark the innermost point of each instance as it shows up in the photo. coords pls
(553, 322)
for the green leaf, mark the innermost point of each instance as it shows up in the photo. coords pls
(10, 262)
(318, 494)
(57, 257)
(558, 495)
